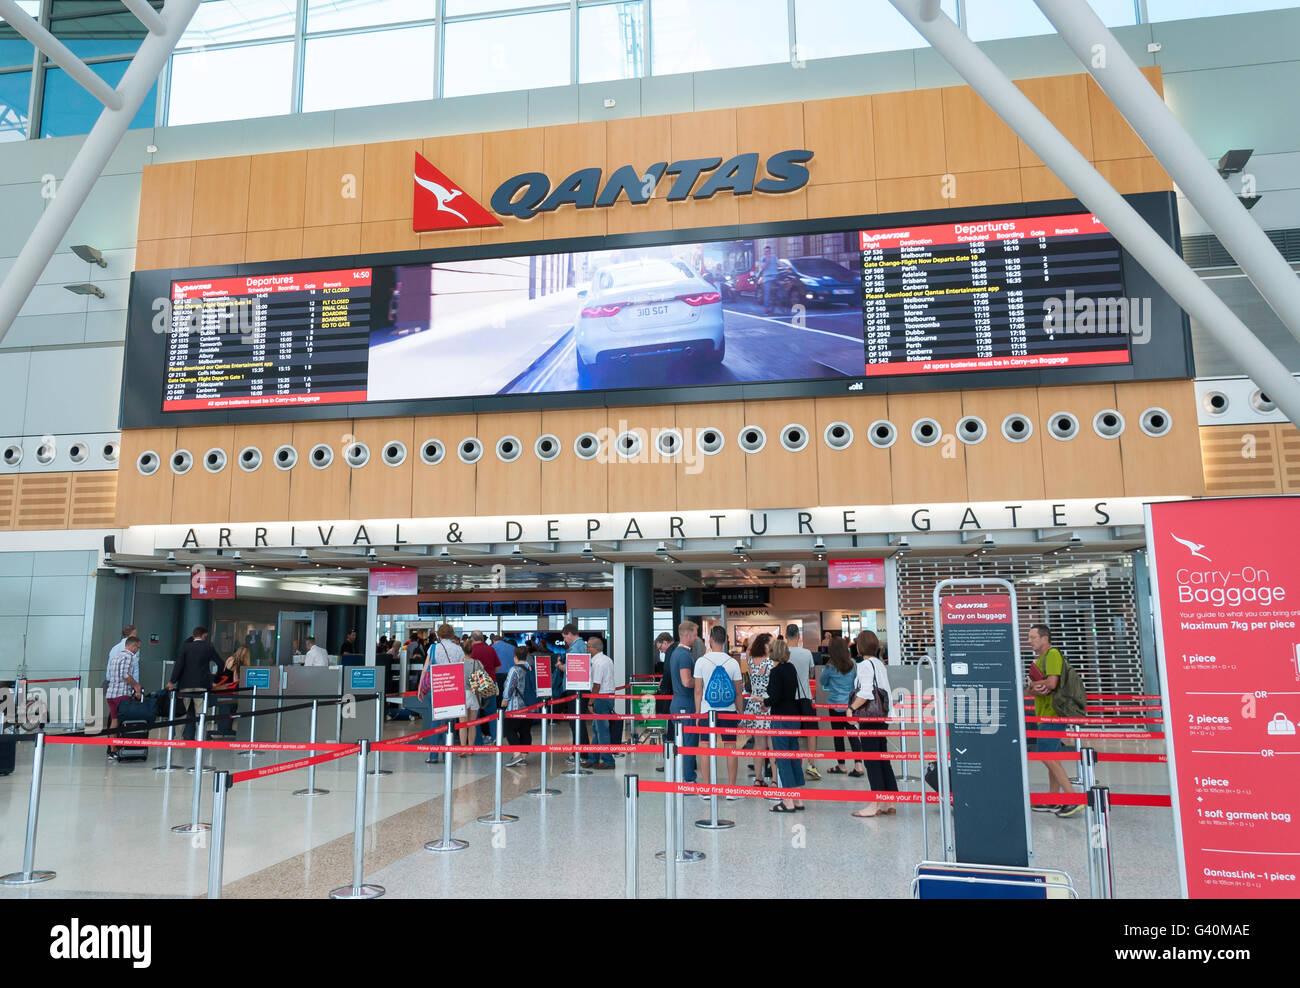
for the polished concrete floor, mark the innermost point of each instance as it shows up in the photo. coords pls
(105, 828)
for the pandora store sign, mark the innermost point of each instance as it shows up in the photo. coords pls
(733, 524)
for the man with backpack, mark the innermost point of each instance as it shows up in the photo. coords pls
(1057, 691)
(718, 687)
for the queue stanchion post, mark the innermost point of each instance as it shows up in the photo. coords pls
(670, 826)
(496, 816)
(677, 773)
(543, 789)
(630, 828)
(311, 789)
(577, 771)
(1099, 839)
(30, 875)
(902, 744)
(203, 713)
(447, 842)
(713, 823)
(252, 726)
(379, 735)
(194, 827)
(1088, 767)
(167, 765)
(217, 846)
(359, 889)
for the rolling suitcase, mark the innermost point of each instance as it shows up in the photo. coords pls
(135, 719)
(8, 752)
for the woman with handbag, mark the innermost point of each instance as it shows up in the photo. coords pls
(760, 670)
(472, 666)
(837, 681)
(783, 699)
(871, 699)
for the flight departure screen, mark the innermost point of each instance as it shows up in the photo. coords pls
(269, 340)
(996, 295)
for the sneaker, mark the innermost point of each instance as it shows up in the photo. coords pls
(1045, 808)
(517, 760)
(812, 773)
(732, 798)
(1069, 809)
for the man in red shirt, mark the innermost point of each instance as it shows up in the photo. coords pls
(486, 654)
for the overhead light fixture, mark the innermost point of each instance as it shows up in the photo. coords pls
(1249, 201)
(85, 289)
(89, 255)
(516, 552)
(661, 550)
(587, 552)
(1234, 161)
(820, 544)
(984, 547)
(372, 554)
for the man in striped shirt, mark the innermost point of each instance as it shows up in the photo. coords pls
(123, 680)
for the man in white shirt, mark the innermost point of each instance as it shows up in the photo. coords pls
(802, 660)
(717, 658)
(602, 684)
(316, 656)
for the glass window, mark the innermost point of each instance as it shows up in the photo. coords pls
(14, 48)
(457, 7)
(369, 69)
(830, 28)
(239, 20)
(69, 109)
(695, 35)
(1174, 10)
(611, 42)
(91, 29)
(330, 15)
(498, 54)
(990, 19)
(231, 84)
(15, 92)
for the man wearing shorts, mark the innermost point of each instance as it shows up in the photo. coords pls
(1049, 663)
(123, 680)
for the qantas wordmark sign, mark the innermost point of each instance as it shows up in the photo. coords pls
(442, 205)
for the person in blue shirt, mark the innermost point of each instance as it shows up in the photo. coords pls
(767, 271)
(837, 682)
(681, 671)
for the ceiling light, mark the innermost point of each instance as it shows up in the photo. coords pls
(1234, 161)
(1249, 201)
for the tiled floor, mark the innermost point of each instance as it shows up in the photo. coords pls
(105, 828)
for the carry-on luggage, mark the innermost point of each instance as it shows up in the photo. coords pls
(8, 753)
(135, 719)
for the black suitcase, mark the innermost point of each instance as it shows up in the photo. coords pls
(135, 719)
(8, 752)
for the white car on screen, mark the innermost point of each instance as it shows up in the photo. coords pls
(648, 308)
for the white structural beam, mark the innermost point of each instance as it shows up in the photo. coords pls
(1121, 79)
(146, 15)
(1159, 259)
(89, 163)
(59, 54)
(930, 9)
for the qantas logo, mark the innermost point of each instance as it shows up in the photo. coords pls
(1194, 547)
(434, 195)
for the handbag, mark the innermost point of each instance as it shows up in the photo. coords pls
(482, 684)
(877, 705)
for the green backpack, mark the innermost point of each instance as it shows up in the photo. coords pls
(1070, 698)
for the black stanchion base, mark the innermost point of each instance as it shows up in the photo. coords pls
(710, 825)
(191, 828)
(543, 792)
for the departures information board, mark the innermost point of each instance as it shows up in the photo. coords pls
(269, 340)
(1015, 294)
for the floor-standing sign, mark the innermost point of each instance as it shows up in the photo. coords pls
(577, 671)
(447, 690)
(543, 673)
(985, 725)
(1226, 588)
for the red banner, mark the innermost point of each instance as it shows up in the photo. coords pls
(976, 609)
(1227, 585)
(1071, 225)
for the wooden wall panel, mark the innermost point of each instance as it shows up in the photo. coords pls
(1040, 183)
(331, 241)
(223, 248)
(273, 245)
(1064, 101)
(776, 477)
(860, 473)
(94, 499)
(1240, 459)
(507, 153)
(908, 130)
(948, 191)
(277, 190)
(325, 493)
(997, 468)
(43, 500)
(706, 134)
(389, 170)
(332, 173)
(166, 201)
(716, 480)
(647, 482)
(447, 488)
(378, 490)
(571, 485)
(1170, 464)
(976, 139)
(565, 149)
(1130, 175)
(460, 158)
(261, 494)
(840, 133)
(156, 254)
(767, 130)
(1112, 137)
(1087, 465)
(1288, 445)
(197, 495)
(927, 473)
(513, 488)
(221, 196)
(842, 199)
(145, 500)
(8, 500)
(388, 235)
(640, 142)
